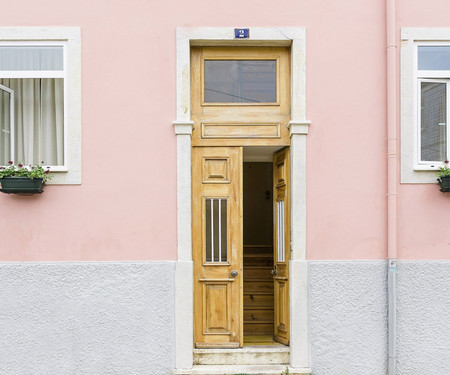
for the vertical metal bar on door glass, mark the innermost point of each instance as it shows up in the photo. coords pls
(220, 231)
(212, 230)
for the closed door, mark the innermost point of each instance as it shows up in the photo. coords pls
(281, 245)
(217, 246)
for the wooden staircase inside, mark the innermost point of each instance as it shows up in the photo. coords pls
(258, 290)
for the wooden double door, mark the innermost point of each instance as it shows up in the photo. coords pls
(217, 187)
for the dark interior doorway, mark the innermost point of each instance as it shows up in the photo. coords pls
(258, 252)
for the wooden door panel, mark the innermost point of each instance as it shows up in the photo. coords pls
(215, 170)
(217, 246)
(216, 318)
(281, 313)
(281, 254)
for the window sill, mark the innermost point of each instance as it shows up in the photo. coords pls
(62, 176)
(428, 167)
(425, 175)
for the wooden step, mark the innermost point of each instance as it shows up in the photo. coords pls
(258, 287)
(248, 355)
(246, 369)
(257, 300)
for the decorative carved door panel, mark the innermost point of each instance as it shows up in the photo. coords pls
(217, 246)
(281, 209)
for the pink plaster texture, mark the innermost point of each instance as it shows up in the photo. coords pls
(125, 208)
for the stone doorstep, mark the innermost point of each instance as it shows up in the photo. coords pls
(245, 369)
(248, 355)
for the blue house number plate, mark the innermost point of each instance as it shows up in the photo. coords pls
(241, 33)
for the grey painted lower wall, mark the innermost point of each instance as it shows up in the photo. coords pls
(423, 318)
(118, 318)
(87, 318)
(348, 317)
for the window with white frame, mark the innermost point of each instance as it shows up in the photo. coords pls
(425, 102)
(433, 83)
(32, 82)
(40, 99)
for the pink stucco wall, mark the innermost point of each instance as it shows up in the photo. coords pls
(125, 208)
(424, 212)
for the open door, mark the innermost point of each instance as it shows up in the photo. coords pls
(217, 246)
(281, 210)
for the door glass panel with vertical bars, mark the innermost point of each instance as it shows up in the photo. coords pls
(280, 231)
(216, 229)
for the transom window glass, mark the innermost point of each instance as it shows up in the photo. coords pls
(32, 85)
(433, 80)
(240, 81)
(16, 58)
(433, 57)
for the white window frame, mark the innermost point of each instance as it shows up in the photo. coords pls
(436, 164)
(70, 39)
(11, 111)
(413, 169)
(438, 76)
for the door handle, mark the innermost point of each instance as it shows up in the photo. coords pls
(234, 273)
(274, 272)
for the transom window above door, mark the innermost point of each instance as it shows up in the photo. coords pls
(240, 95)
(240, 81)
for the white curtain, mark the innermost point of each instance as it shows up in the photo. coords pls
(38, 120)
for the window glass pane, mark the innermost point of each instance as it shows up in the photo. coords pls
(433, 121)
(240, 81)
(223, 230)
(5, 127)
(16, 58)
(216, 230)
(209, 257)
(434, 57)
(280, 230)
(38, 119)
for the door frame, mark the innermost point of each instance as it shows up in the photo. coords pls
(298, 129)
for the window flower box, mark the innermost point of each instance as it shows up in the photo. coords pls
(21, 179)
(443, 176)
(444, 181)
(22, 185)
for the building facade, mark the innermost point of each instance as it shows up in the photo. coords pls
(223, 170)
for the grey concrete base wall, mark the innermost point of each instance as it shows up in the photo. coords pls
(87, 318)
(118, 318)
(348, 317)
(423, 318)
